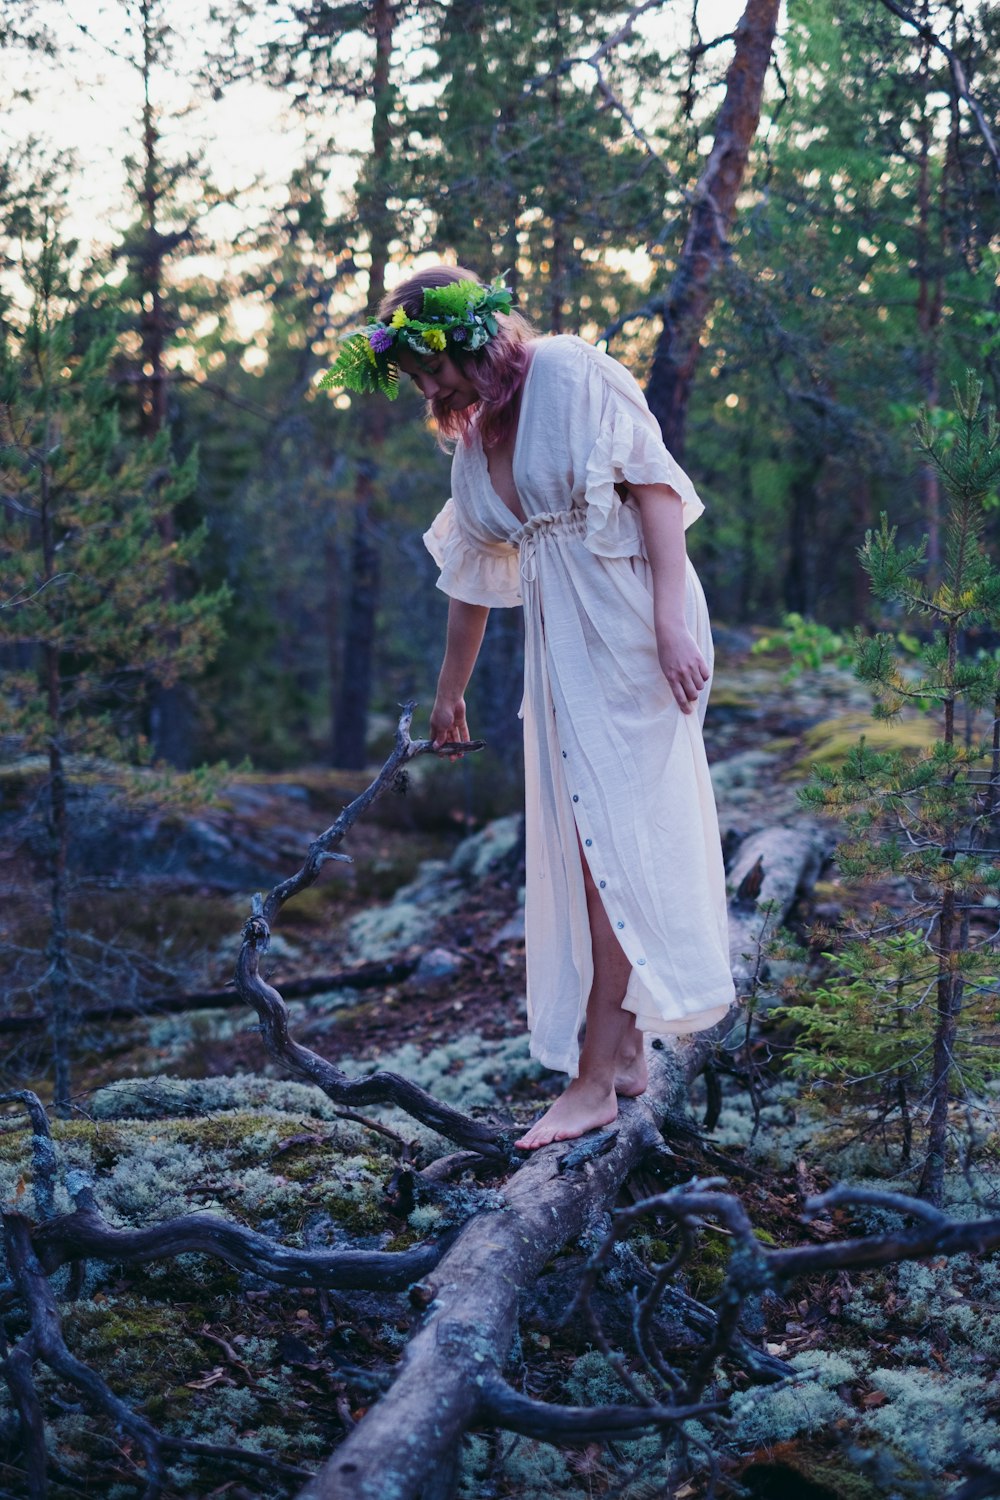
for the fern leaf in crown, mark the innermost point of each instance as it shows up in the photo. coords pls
(363, 369)
(461, 316)
(456, 300)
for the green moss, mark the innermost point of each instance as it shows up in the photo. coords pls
(313, 907)
(821, 1470)
(244, 1135)
(730, 697)
(106, 1144)
(706, 1270)
(352, 1210)
(15, 1147)
(143, 1348)
(830, 742)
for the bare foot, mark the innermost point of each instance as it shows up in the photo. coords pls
(631, 1074)
(584, 1106)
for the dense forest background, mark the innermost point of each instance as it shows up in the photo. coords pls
(562, 146)
(214, 598)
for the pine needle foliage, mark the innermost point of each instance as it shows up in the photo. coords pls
(907, 1017)
(91, 611)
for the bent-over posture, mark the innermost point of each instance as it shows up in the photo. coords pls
(565, 500)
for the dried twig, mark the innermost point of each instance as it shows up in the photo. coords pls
(507, 1408)
(43, 1154)
(380, 1087)
(47, 1343)
(87, 1233)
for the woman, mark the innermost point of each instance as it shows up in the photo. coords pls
(566, 501)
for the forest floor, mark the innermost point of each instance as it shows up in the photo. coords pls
(898, 1373)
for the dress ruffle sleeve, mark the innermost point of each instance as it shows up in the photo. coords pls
(628, 450)
(474, 571)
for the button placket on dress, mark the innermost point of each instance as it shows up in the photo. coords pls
(589, 844)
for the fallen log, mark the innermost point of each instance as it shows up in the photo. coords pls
(361, 977)
(452, 1369)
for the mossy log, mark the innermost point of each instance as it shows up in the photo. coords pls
(453, 1366)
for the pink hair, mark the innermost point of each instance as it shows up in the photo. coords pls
(497, 370)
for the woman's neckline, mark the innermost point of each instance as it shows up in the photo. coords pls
(521, 518)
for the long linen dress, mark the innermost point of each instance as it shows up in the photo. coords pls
(612, 765)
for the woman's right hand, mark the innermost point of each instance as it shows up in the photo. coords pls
(448, 722)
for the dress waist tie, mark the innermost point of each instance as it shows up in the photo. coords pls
(534, 534)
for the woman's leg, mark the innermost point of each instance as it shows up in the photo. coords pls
(611, 1059)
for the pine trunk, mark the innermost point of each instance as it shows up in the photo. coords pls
(929, 296)
(949, 982)
(692, 291)
(170, 710)
(350, 729)
(57, 947)
(949, 1000)
(357, 648)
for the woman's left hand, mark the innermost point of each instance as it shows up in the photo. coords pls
(682, 664)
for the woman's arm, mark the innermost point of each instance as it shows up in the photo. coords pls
(683, 665)
(466, 624)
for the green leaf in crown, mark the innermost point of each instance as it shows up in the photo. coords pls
(362, 368)
(461, 314)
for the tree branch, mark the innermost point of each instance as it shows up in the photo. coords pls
(928, 34)
(48, 1345)
(86, 1233)
(381, 1087)
(43, 1155)
(554, 1423)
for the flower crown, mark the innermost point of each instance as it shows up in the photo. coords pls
(461, 314)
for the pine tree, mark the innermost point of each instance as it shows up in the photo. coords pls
(169, 195)
(85, 615)
(914, 989)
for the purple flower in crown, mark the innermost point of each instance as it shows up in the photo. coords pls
(458, 335)
(380, 339)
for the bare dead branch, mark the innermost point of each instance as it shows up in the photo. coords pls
(755, 1267)
(16, 1369)
(43, 1155)
(360, 977)
(381, 1087)
(326, 845)
(752, 1268)
(86, 1233)
(554, 1423)
(936, 1237)
(472, 1297)
(226, 1453)
(48, 1345)
(46, 1342)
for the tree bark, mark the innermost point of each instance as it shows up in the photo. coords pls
(459, 1353)
(930, 297)
(170, 709)
(350, 729)
(689, 299)
(57, 815)
(799, 584)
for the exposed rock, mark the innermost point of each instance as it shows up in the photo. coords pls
(439, 889)
(512, 931)
(498, 844)
(436, 963)
(409, 918)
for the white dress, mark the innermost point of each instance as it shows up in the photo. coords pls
(608, 753)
